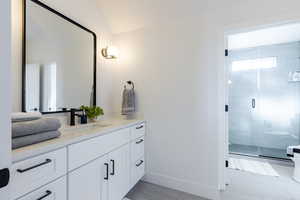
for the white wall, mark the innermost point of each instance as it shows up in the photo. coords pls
(177, 94)
(5, 65)
(87, 14)
(177, 67)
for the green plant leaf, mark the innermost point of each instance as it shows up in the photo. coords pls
(93, 111)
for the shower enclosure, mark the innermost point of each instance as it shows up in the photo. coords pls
(264, 99)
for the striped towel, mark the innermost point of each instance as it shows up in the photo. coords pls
(128, 102)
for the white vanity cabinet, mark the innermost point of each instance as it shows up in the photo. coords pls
(107, 167)
(137, 161)
(32, 173)
(56, 190)
(89, 181)
(104, 167)
(105, 178)
(119, 175)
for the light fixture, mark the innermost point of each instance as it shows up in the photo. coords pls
(110, 52)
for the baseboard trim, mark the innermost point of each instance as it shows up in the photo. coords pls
(183, 185)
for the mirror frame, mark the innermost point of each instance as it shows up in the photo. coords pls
(63, 17)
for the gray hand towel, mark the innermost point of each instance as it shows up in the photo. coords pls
(128, 101)
(22, 116)
(33, 139)
(32, 127)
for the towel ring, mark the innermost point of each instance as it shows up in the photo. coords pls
(129, 83)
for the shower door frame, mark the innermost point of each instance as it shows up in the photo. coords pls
(223, 74)
(226, 75)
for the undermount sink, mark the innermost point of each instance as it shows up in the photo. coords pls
(85, 126)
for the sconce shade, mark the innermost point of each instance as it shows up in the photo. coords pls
(110, 52)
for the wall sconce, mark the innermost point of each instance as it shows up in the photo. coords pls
(110, 52)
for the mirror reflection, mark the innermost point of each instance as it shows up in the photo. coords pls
(59, 70)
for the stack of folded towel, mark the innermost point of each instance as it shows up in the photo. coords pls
(31, 128)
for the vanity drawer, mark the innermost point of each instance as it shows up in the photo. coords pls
(138, 131)
(83, 152)
(137, 171)
(32, 173)
(56, 190)
(137, 149)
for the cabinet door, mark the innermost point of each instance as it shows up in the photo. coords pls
(89, 181)
(119, 180)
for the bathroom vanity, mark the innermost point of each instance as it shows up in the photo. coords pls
(99, 161)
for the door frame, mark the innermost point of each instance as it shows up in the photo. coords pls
(224, 88)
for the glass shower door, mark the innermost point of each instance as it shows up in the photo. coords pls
(243, 94)
(279, 101)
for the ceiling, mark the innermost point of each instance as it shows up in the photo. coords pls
(266, 36)
(128, 15)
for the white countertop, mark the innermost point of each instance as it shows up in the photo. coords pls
(71, 135)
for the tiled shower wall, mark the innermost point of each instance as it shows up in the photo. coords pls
(274, 122)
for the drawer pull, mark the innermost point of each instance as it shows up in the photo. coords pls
(139, 127)
(35, 166)
(113, 167)
(139, 164)
(140, 141)
(106, 178)
(48, 193)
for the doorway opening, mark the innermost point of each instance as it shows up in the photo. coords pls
(263, 91)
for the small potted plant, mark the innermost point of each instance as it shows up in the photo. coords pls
(92, 112)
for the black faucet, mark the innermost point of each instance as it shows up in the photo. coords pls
(72, 116)
(83, 117)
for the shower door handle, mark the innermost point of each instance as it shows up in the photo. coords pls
(253, 103)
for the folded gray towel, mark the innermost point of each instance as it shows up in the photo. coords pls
(128, 102)
(32, 127)
(22, 116)
(33, 139)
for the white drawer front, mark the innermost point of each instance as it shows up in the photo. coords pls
(32, 173)
(137, 171)
(88, 150)
(138, 131)
(137, 149)
(56, 190)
